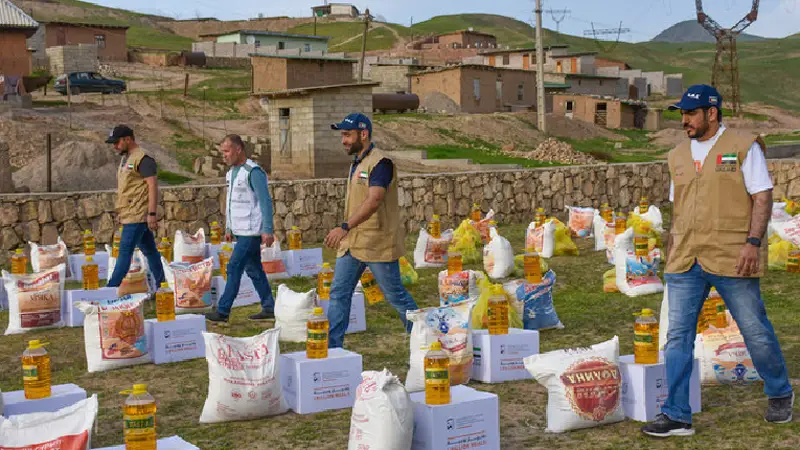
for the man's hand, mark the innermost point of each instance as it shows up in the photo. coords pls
(335, 237)
(152, 223)
(267, 239)
(228, 238)
(748, 261)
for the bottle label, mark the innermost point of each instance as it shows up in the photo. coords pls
(30, 372)
(437, 376)
(316, 335)
(643, 338)
(140, 424)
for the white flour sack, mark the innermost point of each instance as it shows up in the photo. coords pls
(272, 262)
(580, 221)
(723, 355)
(44, 257)
(789, 230)
(636, 275)
(498, 256)
(113, 333)
(69, 428)
(599, 225)
(779, 215)
(583, 386)
(191, 284)
(292, 310)
(34, 300)
(189, 248)
(383, 415)
(541, 239)
(243, 377)
(451, 326)
(431, 251)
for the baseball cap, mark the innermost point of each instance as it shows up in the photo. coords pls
(119, 132)
(699, 96)
(354, 121)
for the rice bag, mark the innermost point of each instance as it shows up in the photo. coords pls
(272, 262)
(498, 256)
(113, 333)
(430, 251)
(580, 221)
(189, 248)
(34, 300)
(459, 286)
(191, 284)
(45, 257)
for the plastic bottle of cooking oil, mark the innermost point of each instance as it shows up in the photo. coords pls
(437, 376)
(645, 338)
(324, 282)
(532, 267)
(454, 262)
(139, 419)
(88, 243)
(216, 233)
(372, 292)
(644, 205)
(641, 240)
(115, 243)
(36, 370)
(607, 213)
(165, 248)
(317, 341)
(540, 217)
(435, 227)
(91, 274)
(620, 223)
(721, 318)
(295, 239)
(224, 258)
(165, 303)
(498, 310)
(475, 214)
(793, 263)
(19, 263)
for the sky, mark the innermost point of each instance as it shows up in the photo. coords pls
(645, 18)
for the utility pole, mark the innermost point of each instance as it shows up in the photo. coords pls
(540, 104)
(315, 24)
(363, 46)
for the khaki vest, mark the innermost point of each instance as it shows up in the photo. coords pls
(712, 208)
(381, 237)
(131, 190)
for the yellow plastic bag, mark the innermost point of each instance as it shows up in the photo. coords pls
(610, 281)
(779, 254)
(792, 207)
(563, 242)
(480, 312)
(467, 240)
(407, 272)
(634, 220)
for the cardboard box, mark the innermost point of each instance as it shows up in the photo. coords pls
(177, 340)
(74, 315)
(247, 292)
(315, 385)
(498, 358)
(77, 261)
(470, 421)
(170, 443)
(212, 251)
(644, 388)
(303, 263)
(358, 313)
(61, 396)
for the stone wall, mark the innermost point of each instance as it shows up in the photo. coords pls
(232, 63)
(316, 206)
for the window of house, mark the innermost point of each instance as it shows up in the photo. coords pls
(570, 106)
(521, 92)
(100, 40)
(506, 60)
(258, 43)
(281, 45)
(579, 82)
(601, 82)
(476, 89)
(306, 47)
(284, 122)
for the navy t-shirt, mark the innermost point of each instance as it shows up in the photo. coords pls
(382, 173)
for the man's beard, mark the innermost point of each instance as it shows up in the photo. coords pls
(356, 147)
(697, 132)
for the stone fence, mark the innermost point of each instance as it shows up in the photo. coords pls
(317, 205)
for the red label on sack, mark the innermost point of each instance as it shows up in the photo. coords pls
(73, 442)
(593, 388)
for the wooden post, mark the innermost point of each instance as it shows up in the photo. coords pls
(69, 103)
(186, 85)
(48, 167)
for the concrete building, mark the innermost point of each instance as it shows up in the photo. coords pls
(590, 84)
(395, 78)
(605, 62)
(15, 28)
(269, 40)
(524, 58)
(580, 63)
(280, 73)
(72, 58)
(110, 40)
(605, 112)
(644, 84)
(302, 142)
(335, 10)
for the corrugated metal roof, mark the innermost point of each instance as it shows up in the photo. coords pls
(13, 17)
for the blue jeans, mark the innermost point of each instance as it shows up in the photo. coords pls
(687, 292)
(246, 257)
(136, 235)
(345, 278)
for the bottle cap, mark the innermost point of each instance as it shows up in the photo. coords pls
(137, 390)
(89, 259)
(19, 251)
(492, 223)
(319, 311)
(436, 346)
(36, 343)
(164, 284)
(294, 228)
(435, 217)
(647, 312)
(164, 239)
(476, 205)
(497, 289)
(539, 210)
(87, 232)
(213, 224)
(605, 205)
(326, 265)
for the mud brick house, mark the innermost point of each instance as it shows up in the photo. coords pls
(15, 28)
(111, 40)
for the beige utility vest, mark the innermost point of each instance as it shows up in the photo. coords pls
(712, 208)
(131, 190)
(381, 237)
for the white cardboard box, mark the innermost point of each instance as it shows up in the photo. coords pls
(358, 313)
(247, 292)
(303, 263)
(170, 443)
(78, 260)
(644, 388)
(470, 421)
(61, 396)
(177, 340)
(498, 358)
(74, 315)
(315, 385)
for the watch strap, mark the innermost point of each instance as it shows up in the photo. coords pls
(345, 226)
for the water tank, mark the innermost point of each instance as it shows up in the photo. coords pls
(395, 102)
(197, 59)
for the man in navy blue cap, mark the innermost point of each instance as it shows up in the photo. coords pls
(722, 202)
(371, 235)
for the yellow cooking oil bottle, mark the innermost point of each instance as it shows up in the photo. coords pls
(139, 419)
(372, 292)
(475, 214)
(88, 243)
(295, 238)
(532, 267)
(165, 303)
(91, 274)
(224, 258)
(317, 341)
(641, 240)
(216, 233)
(435, 227)
(19, 263)
(437, 375)
(36, 370)
(115, 243)
(644, 205)
(645, 338)
(454, 262)
(165, 248)
(620, 223)
(793, 263)
(540, 217)
(606, 213)
(498, 310)
(324, 282)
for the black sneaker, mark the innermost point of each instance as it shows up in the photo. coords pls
(263, 315)
(780, 410)
(663, 426)
(214, 316)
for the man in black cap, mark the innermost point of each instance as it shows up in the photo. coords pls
(137, 205)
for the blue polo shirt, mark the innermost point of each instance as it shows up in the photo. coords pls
(381, 174)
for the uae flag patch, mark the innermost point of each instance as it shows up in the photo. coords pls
(727, 162)
(363, 175)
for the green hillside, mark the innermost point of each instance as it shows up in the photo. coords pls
(346, 36)
(509, 31)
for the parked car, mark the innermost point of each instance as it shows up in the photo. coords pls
(82, 82)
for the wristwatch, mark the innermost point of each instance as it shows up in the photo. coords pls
(151, 214)
(345, 226)
(755, 242)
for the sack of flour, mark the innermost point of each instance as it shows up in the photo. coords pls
(113, 333)
(498, 256)
(69, 428)
(636, 275)
(779, 215)
(244, 379)
(34, 300)
(459, 286)
(292, 310)
(583, 386)
(541, 239)
(789, 230)
(580, 221)
(599, 224)
(483, 225)
(723, 356)
(191, 284)
(610, 237)
(430, 251)
(272, 262)
(45, 257)
(383, 414)
(189, 248)
(450, 325)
